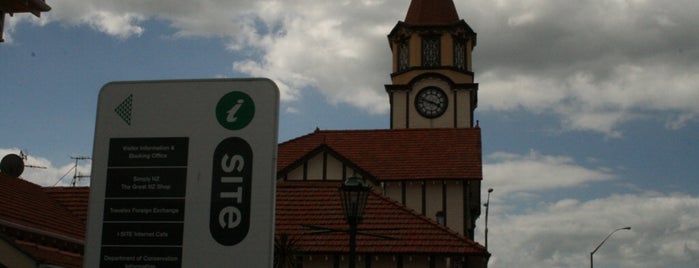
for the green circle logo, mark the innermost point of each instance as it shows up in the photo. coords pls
(235, 110)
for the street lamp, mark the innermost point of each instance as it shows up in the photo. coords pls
(487, 205)
(605, 239)
(354, 193)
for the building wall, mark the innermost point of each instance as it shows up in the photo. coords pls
(315, 167)
(447, 51)
(433, 198)
(419, 261)
(392, 261)
(439, 195)
(463, 102)
(400, 104)
(335, 169)
(296, 175)
(455, 208)
(444, 121)
(322, 166)
(12, 257)
(458, 114)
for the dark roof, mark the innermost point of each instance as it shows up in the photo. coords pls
(50, 255)
(74, 199)
(23, 203)
(40, 226)
(432, 13)
(395, 154)
(318, 204)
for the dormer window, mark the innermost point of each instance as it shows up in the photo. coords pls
(430, 51)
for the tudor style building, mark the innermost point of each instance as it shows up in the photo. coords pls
(433, 147)
(428, 162)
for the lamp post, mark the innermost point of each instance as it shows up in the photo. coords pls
(354, 193)
(605, 239)
(487, 205)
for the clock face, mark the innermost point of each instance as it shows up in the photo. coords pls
(431, 102)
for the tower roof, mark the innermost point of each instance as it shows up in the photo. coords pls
(432, 12)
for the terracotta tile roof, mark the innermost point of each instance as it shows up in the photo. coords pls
(395, 154)
(431, 12)
(74, 199)
(318, 203)
(50, 255)
(25, 205)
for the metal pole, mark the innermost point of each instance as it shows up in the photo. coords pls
(487, 206)
(605, 240)
(352, 242)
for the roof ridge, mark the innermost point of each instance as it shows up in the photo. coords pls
(323, 131)
(297, 138)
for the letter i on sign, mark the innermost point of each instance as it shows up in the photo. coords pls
(235, 110)
(231, 113)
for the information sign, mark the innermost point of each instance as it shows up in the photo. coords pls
(183, 174)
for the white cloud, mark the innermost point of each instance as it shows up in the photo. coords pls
(335, 48)
(44, 173)
(514, 174)
(326, 48)
(562, 234)
(119, 25)
(594, 64)
(585, 102)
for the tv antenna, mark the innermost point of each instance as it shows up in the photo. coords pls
(76, 175)
(24, 157)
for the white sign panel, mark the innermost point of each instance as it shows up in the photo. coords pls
(183, 174)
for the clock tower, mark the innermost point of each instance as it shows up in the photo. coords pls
(432, 79)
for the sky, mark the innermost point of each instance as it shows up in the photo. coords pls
(588, 109)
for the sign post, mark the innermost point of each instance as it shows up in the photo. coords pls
(184, 174)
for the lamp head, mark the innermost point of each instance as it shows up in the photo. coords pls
(354, 181)
(354, 193)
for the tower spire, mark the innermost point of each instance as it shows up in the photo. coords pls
(432, 12)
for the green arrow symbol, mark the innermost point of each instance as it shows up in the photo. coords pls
(124, 109)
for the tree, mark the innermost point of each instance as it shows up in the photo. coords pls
(285, 250)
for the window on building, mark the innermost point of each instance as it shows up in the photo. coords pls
(403, 55)
(430, 51)
(460, 54)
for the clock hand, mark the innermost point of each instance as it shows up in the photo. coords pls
(432, 102)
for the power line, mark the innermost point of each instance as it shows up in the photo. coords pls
(64, 175)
